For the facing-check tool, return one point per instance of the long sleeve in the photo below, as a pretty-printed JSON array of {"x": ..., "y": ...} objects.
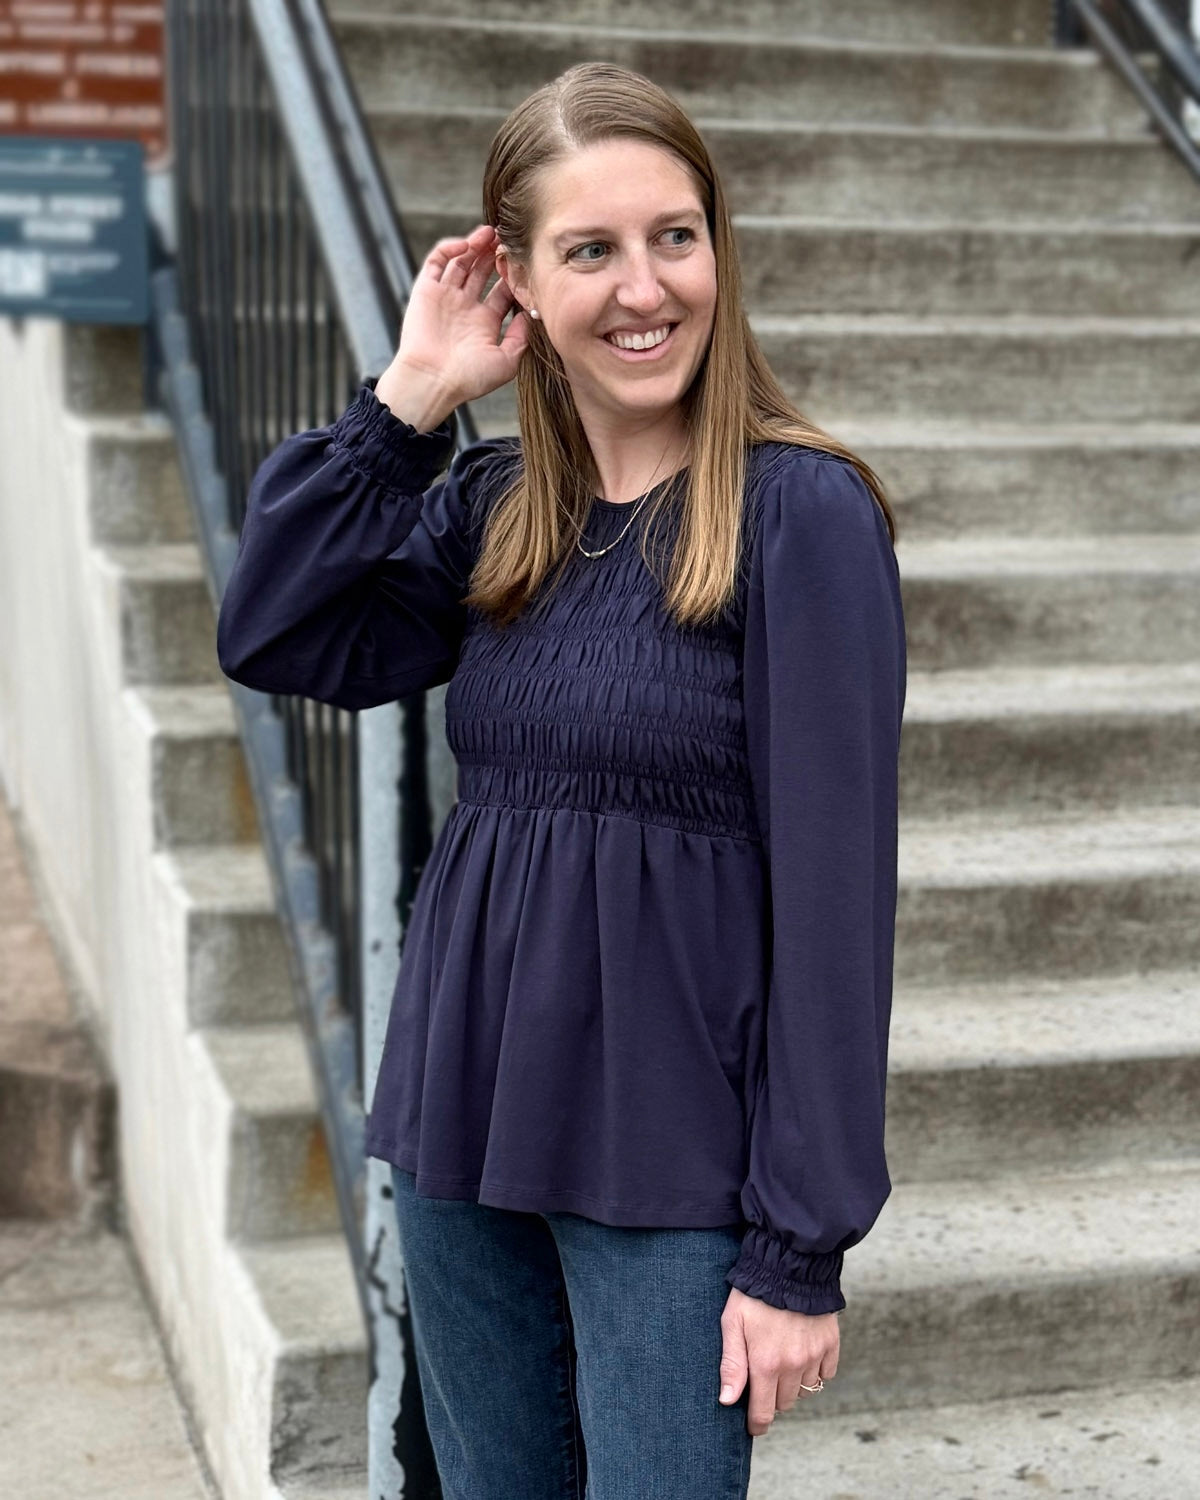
[
  {"x": 824, "y": 676},
  {"x": 350, "y": 572}
]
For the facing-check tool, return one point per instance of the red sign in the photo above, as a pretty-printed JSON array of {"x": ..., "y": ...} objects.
[{"x": 90, "y": 68}]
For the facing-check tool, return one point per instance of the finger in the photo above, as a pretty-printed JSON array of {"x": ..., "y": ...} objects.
[
  {"x": 829, "y": 1364},
  {"x": 501, "y": 297},
  {"x": 436, "y": 260},
  {"x": 485, "y": 264},
  {"x": 516, "y": 337},
  {"x": 764, "y": 1390},
  {"x": 808, "y": 1378},
  {"x": 458, "y": 269},
  {"x": 787, "y": 1394}
]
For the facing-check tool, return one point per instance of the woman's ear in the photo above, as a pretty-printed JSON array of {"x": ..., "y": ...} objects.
[{"x": 514, "y": 274}]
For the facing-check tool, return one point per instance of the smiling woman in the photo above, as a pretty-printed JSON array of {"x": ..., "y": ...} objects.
[
  {"x": 642, "y": 282},
  {"x": 633, "y": 1080}
]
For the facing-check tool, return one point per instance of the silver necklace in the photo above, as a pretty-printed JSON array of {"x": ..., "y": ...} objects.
[{"x": 601, "y": 551}]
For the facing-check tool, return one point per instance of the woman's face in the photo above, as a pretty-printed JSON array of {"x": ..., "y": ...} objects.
[{"x": 622, "y": 245}]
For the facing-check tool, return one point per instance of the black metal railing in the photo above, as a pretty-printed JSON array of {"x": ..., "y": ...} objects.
[
  {"x": 1126, "y": 31},
  {"x": 286, "y": 287}
]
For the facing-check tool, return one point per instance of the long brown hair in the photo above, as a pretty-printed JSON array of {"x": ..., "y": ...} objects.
[{"x": 733, "y": 402}]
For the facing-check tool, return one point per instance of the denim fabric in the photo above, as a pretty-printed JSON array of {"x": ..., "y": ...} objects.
[{"x": 564, "y": 1359}]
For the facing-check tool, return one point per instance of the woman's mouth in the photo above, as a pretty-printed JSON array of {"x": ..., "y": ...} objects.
[{"x": 656, "y": 351}]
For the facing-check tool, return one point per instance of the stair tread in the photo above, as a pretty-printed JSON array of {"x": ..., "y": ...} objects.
[
  {"x": 1126, "y": 1438},
  {"x": 157, "y": 560},
  {"x": 975, "y": 555},
  {"x": 1044, "y": 1022},
  {"x": 264, "y": 1067},
  {"x": 931, "y": 226},
  {"x": 1007, "y": 134},
  {"x": 306, "y": 1288},
  {"x": 984, "y": 850},
  {"x": 937, "y": 325},
  {"x": 1011, "y": 1230},
  {"x": 748, "y": 37},
  {"x": 220, "y": 877},
  {"x": 188, "y": 711},
  {"x": 1053, "y": 692},
  {"x": 981, "y": 437}
]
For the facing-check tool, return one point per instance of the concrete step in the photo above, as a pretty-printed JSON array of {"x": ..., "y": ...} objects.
[
  {"x": 1017, "y": 369},
  {"x": 57, "y": 1099},
  {"x": 950, "y": 480},
  {"x": 1049, "y": 601},
  {"x": 279, "y": 1179},
  {"x": 428, "y": 62},
  {"x": 1136, "y": 1440},
  {"x": 236, "y": 963},
  {"x": 103, "y": 370},
  {"x": 1051, "y": 897},
  {"x": 1032, "y": 480},
  {"x": 1019, "y": 23},
  {"x": 135, "y": 489},
  {"x": 167, "y": 627},
  {"x": 1071, "y": 1075},
  {"x": 824, "y": 172},
  {"x": 310, "y": 1335},
  {"x": 1054, "y": 739},
  {"x": 1021, "y": 1284},
  {"x": 199, "y": 785},
  {"x": 795, "y": 264}
]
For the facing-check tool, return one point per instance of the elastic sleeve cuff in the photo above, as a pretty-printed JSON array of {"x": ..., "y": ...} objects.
[
  {"x": 388, "y": 449},
  {"x": 786, "y": 1278}
]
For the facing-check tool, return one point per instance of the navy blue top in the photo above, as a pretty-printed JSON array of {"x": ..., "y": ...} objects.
[{"x": 648, "y": 972}]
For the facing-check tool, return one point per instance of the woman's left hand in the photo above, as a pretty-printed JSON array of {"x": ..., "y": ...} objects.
[{"x": 778, "y": 1350}]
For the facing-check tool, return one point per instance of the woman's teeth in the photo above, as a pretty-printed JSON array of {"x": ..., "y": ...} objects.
[{"x": 638, "y": 340}]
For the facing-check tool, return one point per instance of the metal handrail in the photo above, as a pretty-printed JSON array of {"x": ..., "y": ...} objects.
[
  {"x": 287, "y": 286},
  {"x": 1165, "y": 36}
]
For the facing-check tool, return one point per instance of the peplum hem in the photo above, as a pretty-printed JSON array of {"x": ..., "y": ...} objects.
[{"x": 709, "y": 1213}]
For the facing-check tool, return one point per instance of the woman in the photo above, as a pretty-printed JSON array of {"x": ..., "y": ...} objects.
[{"x": 632, "y": 1089}]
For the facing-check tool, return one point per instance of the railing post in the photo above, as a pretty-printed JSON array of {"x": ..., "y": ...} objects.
[
  {"x": 379, "y": 844},
  {"x": 400, "y": 1462},
  {"x": 1191, "y": 109}
]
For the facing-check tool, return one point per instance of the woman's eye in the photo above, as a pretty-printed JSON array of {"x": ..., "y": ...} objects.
[{"x": 592, "y": 244}]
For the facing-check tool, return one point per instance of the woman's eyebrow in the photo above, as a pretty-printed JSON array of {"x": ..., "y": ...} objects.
[{"x": 676, "y": 213}]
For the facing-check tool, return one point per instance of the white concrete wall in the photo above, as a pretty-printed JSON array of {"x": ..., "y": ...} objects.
[
  {"x": 59, "y": 676},
  {"x": 75, "y": 758}
]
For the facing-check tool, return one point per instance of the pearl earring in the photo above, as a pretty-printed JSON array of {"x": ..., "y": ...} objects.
[{"x": 533, "y": 312}]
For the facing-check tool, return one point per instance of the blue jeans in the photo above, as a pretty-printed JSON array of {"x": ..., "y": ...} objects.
[{"x": 562, "y": 1359}]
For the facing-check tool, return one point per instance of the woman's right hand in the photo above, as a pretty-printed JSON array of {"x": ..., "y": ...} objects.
[{"x": 450, "y": 339}]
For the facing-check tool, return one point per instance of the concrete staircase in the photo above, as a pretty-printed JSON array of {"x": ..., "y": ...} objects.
[{"x": 968, "y": 256}]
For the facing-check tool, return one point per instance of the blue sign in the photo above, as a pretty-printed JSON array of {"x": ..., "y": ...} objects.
[{"x": 73, "y": 230}]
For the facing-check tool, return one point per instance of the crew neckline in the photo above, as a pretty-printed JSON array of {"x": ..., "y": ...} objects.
[{"x": 622, "y": 505}]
